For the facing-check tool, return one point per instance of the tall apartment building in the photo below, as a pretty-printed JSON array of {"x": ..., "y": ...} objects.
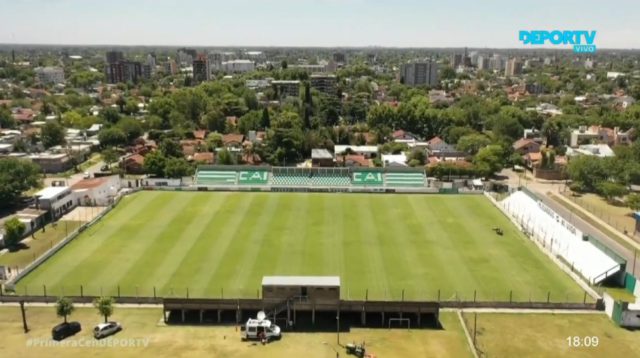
[
  {"x": 114, "y": 56},
  {"x": 238, "y": 66},
  {"x": 513, "y": 67},
  {"x": 201, "y": 70},
  {"x": 53, "y": 75},
  {"x": 483, "y": 62},
  {"x": 123, "y": 71},
  {"x": 496, "y": 63},
  {"x": 419, "y": 74},
  {"x": 286, "y": 88},
  {"x": 171, "y": 67},
  {"x": 340, "y": 58},
  {"x": 456, "y": 60},
  {"x": 324, "y": 83}
]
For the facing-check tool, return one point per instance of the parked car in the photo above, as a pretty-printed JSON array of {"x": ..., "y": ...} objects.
[
  {"x": 64, "y": 330},
  {"x": 106, "y": 329},
  {"x": 87, "y": 175}
]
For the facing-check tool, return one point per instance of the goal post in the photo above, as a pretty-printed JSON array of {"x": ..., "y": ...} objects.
[{"x": 401, "y": 322}]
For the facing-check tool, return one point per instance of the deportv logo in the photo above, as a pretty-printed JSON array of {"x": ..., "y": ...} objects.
[{"x": 582, "y": 41}]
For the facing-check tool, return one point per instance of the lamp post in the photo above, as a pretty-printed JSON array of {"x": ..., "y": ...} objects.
[{"x": 338, "y": 328}]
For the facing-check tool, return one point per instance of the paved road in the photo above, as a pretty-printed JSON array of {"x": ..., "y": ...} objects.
[
  {"x": 74, "y": 178},
  {"x": 542, "y": 188}
]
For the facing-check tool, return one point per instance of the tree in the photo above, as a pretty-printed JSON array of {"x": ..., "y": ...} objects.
[
  {"x": 16, "y": 177},
  {"x": 225, "y": 157},
  {"x": 131, "y": 128},
  {"x": 489, "y": 160},
  {"x": 6, "y": 119},
  {"x": 215, "y": 121},
  {"x": 110, "y": 115},
  {"x": 472, "y": 143},
  {"x": 214, "y": 141},
  {"x": 112, "y": 137},
  {"x": 109, "y": 156},
  {"x": 610, "y": 190},
  {"x": 265, "y": 121},
  {"x": 104, "y": 305},
  {"x": 588, "y": 171},
  {"x": 14, "y": 230},
  {"x": 52, "y": 134},
  {"x": 170, "y": 148},
  {"x": 249, "y": 122},
  {"x": 177, "y": 168},
  {"x": 64, "y": 308},
  {"x": 154, "y": 163},
  {"x": 633, "y": 201}
]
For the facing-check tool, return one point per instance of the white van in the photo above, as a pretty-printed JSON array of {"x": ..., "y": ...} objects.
[{"x": 260, "y": 328}]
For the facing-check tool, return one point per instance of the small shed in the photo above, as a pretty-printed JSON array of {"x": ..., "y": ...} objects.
[{"x": 312, "y": 288}]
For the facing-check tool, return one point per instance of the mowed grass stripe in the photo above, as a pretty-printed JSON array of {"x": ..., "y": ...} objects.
[
  {"x": 194, "y": 268},
  {"x": 155, "y": 267},
  {"x": 293, "y": 235},
  {"x": 132, "y": 245},
  {"x": 253, "y": 235},
  {"x": 370, "y": 230},
  {"x": 224, "y": 225}
]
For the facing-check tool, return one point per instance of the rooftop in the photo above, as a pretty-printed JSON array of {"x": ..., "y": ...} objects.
[
  {"x": 324, "y": 281},
  {"x": 90, "y": 183},
  {"x": 321, "y": 154},
  {"x": 51, "y": 192}
]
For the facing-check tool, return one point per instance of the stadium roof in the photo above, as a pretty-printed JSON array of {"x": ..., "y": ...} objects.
[{"x": 323, "y": 281}]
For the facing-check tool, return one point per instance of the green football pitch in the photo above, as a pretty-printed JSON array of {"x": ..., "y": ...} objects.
[{"x": 384, "y": 246}]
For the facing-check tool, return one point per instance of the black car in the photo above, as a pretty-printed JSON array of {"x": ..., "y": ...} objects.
[{"x": 64, "y": 330}]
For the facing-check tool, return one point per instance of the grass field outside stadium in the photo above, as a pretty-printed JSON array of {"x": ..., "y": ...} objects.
[{"x": 222, "y": 244}]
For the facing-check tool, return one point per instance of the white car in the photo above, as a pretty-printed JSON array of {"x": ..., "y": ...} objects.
[{"x": 106, "y": 329}]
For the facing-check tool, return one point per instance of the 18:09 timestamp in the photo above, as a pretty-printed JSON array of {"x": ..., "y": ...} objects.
[{"x": 583, "y": 342}]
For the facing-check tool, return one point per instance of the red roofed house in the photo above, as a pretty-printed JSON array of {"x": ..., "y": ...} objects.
[
  {"x": 24, "y": 115},
  {"x": 233, "y": 140},
  {"x": 204, "y": 157},
  {"x": 524, "y": 146},
  {"x": 133, "y": 164}
]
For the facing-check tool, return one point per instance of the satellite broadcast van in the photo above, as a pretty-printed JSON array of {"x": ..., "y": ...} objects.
[{"x": 261, "y": 328}]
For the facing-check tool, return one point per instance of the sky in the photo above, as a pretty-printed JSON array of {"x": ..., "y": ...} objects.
[{"x": 329, "y": 23}]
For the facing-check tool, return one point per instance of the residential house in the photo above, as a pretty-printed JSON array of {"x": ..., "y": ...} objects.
[
  {"x": 133, "y": 164},
  {"x": 525, "y": 146},
  {"x": 321, "y": 157}
]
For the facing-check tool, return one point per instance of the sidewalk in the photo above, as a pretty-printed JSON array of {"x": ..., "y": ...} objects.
[{"x": 597, "y": 220}]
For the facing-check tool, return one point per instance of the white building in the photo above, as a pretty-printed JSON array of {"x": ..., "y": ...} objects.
[
  {"x": 53, "y": 75},
  {"x": 56, "y": 199},
  {"x": 238, "y": 66},
  {"x": 394, "y": 160},
  {"x": 96, "y": 191}
]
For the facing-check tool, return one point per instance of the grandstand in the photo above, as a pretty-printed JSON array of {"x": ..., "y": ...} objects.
[
  {"x": 232, "y": 176},
  {"x": 561, "y": 238},
  {"x": 405, "y": 179},
  {"x": 216, "y": 177}
]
